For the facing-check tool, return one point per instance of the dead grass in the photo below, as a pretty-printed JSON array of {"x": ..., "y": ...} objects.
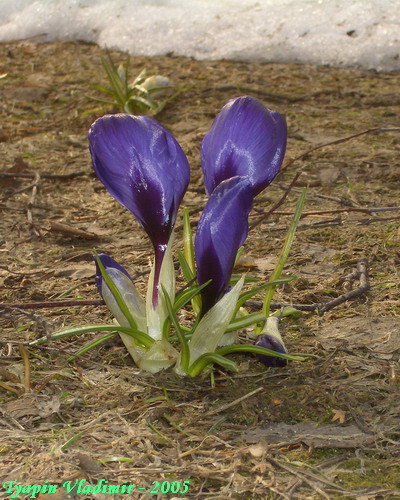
[{"x": 100, "y": 416}]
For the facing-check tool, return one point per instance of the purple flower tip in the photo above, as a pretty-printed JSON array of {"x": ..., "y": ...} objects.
[
  {"x": 245, "y": 139},
  {"x": 143, "y": 167},
  {"x": 109, "y": 263},
  {"x": 272, "y": 343}
]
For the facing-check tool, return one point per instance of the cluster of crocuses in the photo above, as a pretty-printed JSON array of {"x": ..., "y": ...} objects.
[{"x": 144, "y": 168}]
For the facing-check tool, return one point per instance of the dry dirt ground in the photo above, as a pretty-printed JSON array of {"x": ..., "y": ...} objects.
[{"x": 328, "y": 427}]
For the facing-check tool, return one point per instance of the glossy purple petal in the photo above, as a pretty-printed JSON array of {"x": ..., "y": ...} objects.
[
  {"x": 144, "y": 169},
  {"x": 272, "y": 343},
  {"x": 108, "y": 262},
  {"x": 245, "y": 139},
  {"x": 222, "y": 229}
]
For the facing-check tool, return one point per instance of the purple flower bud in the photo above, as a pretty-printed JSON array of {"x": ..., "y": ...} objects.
[
  {"x": 272, "y": 343},
  {"x": 245, "y": 139},
  {"x": 108, "y": 263},
  {"x": 144, "y": 168},
  {"x": 222, "y": 229}
]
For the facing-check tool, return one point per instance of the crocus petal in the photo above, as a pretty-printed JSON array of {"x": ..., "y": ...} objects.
[
  {"x": 245, "y": 139},
  {"x": 144, "y": 169},
  {"x": 272, "y": 343},
  {"x": 222, "y": 229},
  {"x": 124, "y": 283},
  {"x": 270, "y": 338},
  {"x": 108, "y": 263}
]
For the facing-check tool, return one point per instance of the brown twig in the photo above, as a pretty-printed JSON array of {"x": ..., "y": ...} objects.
[
  {"x": 323, "y": 307},
  {"x": 24, "y": 175},
  {"x": 27, "y": 367},
  {"x": 58, "y": 303},
  {"x": 35, "y": 185},
  {"x": 367, "y": 210},
  {"x": 278, "y": 204},
  {"x": 234, "y": 403},
  {"x": 375, "y": 130},
  {"x": 71, "y": 231}
]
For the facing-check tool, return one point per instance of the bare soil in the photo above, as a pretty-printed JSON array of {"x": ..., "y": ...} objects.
[{"x": 325, "y": 428}]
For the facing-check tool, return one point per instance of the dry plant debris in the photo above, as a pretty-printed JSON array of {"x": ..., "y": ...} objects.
[{"x": 327, "y": 428}]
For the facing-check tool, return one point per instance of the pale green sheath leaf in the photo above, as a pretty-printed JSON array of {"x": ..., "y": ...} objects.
[
  {"x": 160, "y": 356},
  {"x": 212, "y": 326},
  {"x": 271, "y": 328},
  {"x": 135, "y": 303}
]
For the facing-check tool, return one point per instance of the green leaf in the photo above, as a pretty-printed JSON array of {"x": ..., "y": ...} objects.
[
  {"x": 186, "y": 295},
  {"x": 117, "y": 84},
  {"x": 189, "y": 257},
  {"x": 105, "y": 90},
  {"x": 238, "y": 255},
  {"x": 92, "y": 345},
  {"x": 213, "y": 324},
  {"x": 284, "y": 252},
  {"x": 247, "y": 279},
  {"x": 250, "y": 319},
  {"x": 185, "y": 355},
  {"x": 116, "y": 293},
  {"x": 186, "y": 270},
  {"x": 141, "y": 337},
  {"x": 211, "y": 358},
  {"x": 256, "y": 350},
  {"x": 250, "y": 293}
]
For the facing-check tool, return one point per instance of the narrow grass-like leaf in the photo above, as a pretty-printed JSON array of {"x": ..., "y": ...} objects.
[
  {"x": 238, "y": 255},
  {"x": 105, "y": 90},
  {"x": 92, "y": 345},
  {"x": 187, "y": 295},
  {"x": 140, "y": 337},
  {"x": 188, "y": 247},
  {"x": 284, "y": 253},
  {"x": 250, "y": 293},
  {"x": 188, "y": 259},
  {"x": 186, "y": 270},
  {"x": 103, "y": 101},
  {"x": 209, "y": 358},
  {"x": 141, "y": 100},
  {"x": 70, "y": 441},
  {"x": 257, "y": 350},
  {"x": 239, "y": 323},
  {"x": 185, "y": 355},
  {"x": 116, "y": 293},
  {"x": 115, "y": 80},
  {"x": 247, "y": 279}
]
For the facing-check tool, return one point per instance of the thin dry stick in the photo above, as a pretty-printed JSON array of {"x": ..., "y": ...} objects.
[
  {"x": 35, "y": 185},
  {"x": 321, "y": 307},
  {"x": 233, "y": 403},
  {"x": 26, "y": 175},
  {"x": 362, "y": 268},
  {"x": 369, "y": 210},
  {"x": 58, "y": 303},
  {"x": 278, "y": 204},
  {"x": 307, "y": 476},
  {"x": 27, "y": 367},
  {"x": 376, "y": 130}
]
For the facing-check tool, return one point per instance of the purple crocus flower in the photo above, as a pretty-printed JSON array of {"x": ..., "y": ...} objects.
[
  {"x": 222, "y": 229},
  {"x": 245, "y": 139},
  {"x": 272, "y": 343},
  {"x": 144, "y": 168}
]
